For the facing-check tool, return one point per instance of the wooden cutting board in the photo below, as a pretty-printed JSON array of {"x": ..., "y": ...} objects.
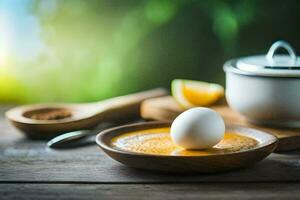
[{"x": 166, "y": 109}]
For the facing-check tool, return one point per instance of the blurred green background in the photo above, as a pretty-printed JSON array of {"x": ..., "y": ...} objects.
[{"x": 88, "y": 50}]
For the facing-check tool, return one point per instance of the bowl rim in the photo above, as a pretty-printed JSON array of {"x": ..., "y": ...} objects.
[{"x": 100, "y": 140}]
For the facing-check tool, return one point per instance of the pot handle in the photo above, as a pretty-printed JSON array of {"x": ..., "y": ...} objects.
[{"x": 281, "y": 44}]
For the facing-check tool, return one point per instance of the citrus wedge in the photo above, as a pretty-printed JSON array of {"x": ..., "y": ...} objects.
[{"x": 190, "y": 93}]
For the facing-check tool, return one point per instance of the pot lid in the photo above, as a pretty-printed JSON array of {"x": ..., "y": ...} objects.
[{"x": 272, "y": 64}]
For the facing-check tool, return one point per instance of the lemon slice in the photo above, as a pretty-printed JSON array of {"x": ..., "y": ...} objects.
[{"x": 190, "y": 94}]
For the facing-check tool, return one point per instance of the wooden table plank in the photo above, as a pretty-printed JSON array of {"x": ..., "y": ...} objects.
[
  {"x": 93, "y": 166},
  {"x": 146, "y": 191},
  {"x": 23, "y": 160}
]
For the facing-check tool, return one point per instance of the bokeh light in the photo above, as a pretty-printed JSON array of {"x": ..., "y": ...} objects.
[{"x": 78, "y": 51}]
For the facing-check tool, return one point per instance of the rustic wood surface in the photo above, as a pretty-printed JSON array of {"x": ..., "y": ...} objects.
[
  {"x": 210, "y": 191},
  {"x": 166, "y": 108},
  {"x": 30, "y": 170}
]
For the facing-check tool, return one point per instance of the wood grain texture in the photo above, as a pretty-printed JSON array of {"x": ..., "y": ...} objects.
[
  {"x": 155, "y": 192},
  {"x": 165, "y": 108},
  {"x": 25, "y": 160},
  {"x": 29, "y": 161},
  {"x": 29, "y": 170}
]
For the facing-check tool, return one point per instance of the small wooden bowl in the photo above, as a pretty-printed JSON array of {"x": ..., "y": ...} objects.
[{"x": 187, "y": 164}]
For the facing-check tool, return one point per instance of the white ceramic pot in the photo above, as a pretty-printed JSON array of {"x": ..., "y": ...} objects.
[{"x": 266, "y": 88}]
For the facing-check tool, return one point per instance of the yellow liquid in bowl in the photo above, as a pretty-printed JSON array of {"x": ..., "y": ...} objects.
[{"x": 158, "y": 142}]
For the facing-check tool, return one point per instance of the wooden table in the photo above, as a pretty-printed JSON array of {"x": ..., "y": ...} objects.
[{"x": 30, "y": 170}]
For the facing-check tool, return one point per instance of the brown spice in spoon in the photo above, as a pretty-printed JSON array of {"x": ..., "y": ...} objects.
[{"x": 49, "y": 114}]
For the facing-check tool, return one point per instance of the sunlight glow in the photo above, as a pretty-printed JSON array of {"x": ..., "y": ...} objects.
[{"x": 5, "y": 39}]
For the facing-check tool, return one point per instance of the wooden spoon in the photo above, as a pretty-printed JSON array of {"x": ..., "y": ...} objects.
[{"x": 43, "y": 121}]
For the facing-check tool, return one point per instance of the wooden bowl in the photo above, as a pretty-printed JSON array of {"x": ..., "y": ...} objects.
[{"x": 187, "y": 164}]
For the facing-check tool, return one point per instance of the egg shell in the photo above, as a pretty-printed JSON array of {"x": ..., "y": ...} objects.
[{"x": 198, "y": 128}]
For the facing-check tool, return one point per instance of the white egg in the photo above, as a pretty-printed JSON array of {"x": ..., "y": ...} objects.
[{"x": 198, "y": 128}]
